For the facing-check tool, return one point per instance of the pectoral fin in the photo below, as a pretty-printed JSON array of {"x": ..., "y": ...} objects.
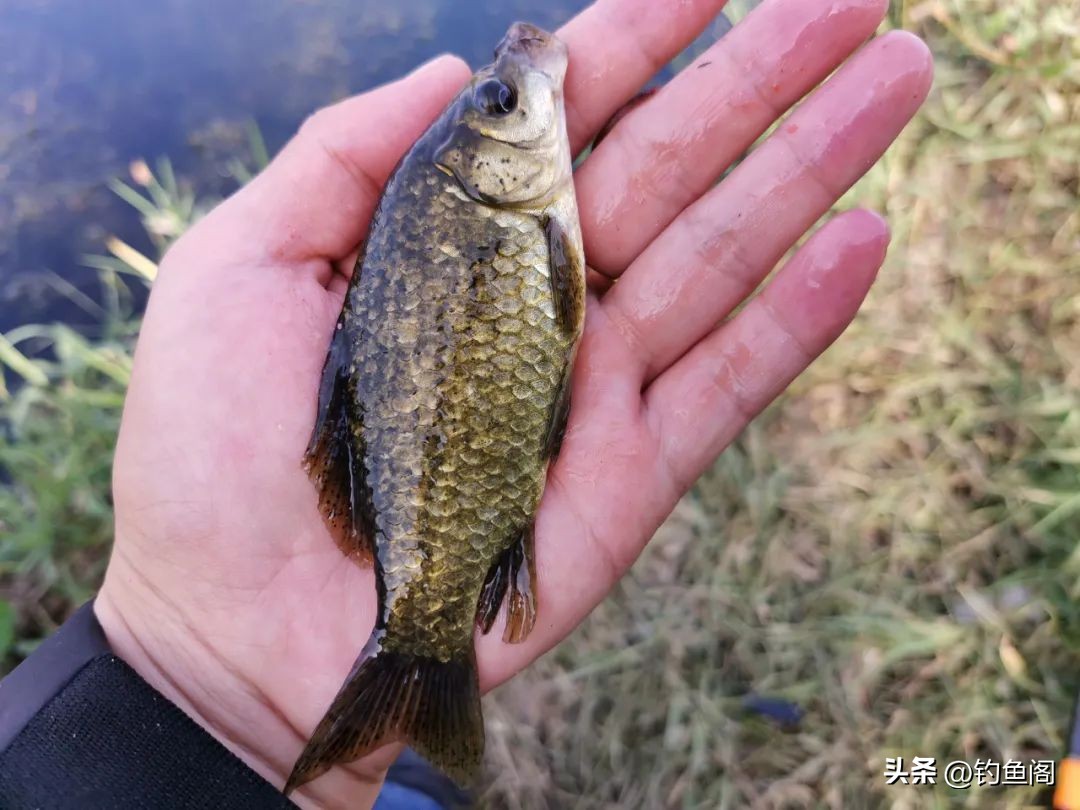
[
  {"x": 560, "y": 415},
  {"x": 334, "y": 457},
  {"x": 567, "y": 275}
]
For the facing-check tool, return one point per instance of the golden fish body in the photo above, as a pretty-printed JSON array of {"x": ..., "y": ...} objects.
[{"x": 443, "y": 400}]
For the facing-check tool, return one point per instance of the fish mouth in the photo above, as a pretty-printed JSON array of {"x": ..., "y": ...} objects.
[{"x": 533, "y": 47}]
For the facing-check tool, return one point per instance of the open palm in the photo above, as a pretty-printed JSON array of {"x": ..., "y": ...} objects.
[{"x": 225, "y": 590}]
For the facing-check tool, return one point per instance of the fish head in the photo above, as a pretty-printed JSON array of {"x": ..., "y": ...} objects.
[
  {"x": 527, "y": 49},
  {"x": 506, "y": 144}
]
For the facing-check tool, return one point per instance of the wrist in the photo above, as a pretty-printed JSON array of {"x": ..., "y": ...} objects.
[
  {"x": 161, "y": 642},
  {"x": 154, "y": 639}
]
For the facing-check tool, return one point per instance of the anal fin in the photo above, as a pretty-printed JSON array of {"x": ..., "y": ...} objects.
[
  {"x": 334, "y": 457},
  {"x": 513, "y": 577}
]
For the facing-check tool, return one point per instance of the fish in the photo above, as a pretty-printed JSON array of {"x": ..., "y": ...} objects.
[{"x": 443, "y": 400}]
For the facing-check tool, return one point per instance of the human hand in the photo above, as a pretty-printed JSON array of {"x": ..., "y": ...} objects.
[{"x": 225, "y": 590}]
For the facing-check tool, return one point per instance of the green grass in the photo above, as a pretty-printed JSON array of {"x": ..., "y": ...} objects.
[
  {"x": 893, "y": 545},
  {"x": 58, "y": 423}
]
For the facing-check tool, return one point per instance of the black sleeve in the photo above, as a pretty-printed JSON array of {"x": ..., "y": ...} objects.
[{"x": 80, "y": 729}]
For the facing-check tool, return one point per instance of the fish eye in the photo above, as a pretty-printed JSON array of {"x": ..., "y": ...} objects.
[{"x": 496, "y": 98}]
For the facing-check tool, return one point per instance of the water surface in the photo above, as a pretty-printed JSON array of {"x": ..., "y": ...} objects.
[{"x": 87, "y": 87}]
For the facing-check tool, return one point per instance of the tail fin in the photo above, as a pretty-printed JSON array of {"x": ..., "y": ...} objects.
[{"x": 431, "y": 705}]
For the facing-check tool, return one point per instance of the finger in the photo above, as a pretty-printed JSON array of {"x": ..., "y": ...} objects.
[
  {"x": 718, "y": 250},
  {"x": 699, "y": 405},
  {"x": 343, "y": 269},
  {"x": 591, "y": 495},
  {"x": 666, "y": 153},
  {"x": 690, "y": 414},
  {"x": 314, "y": 201},
  {"x": 317, "y": 197},
  {"x": 615, "y": 47}
]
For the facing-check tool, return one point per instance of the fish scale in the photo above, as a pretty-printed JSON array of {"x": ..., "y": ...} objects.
[
  {"x": 443, "y": 400},
  {"x": 485, "y": 403}
]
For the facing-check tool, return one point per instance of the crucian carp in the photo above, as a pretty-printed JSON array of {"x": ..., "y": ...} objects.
[{"x": 443, "y": 400}]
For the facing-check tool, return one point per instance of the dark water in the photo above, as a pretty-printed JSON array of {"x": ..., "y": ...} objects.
[{"x": 87, "y": 86}]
